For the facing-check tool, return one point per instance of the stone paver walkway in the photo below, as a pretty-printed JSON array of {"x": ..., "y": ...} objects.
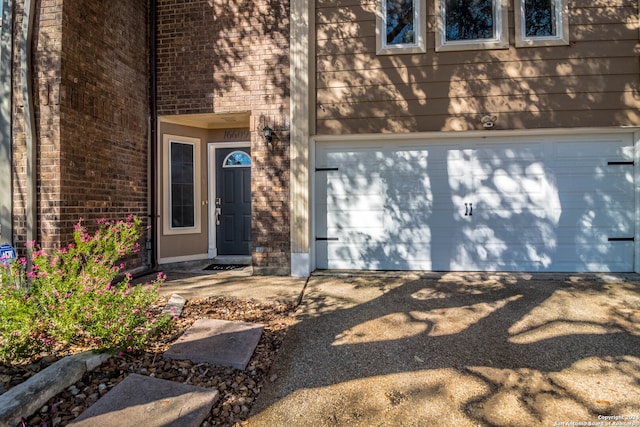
[{"x": 140, "y": 400}]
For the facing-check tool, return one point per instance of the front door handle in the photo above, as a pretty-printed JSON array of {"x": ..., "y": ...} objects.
[{"x": 218, "y": 212}]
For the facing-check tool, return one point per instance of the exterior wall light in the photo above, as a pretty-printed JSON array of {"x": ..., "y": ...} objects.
[
  {"x": 488, "y": 121},
  {"x": 268, "y": 134}
]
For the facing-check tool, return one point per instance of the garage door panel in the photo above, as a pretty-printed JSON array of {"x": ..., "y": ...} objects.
[
  {"x": 356, "y": 220},
  {"x": 619, "y": 220},
  {"x": 604, "y": 256},
  {"x": 355, "y": 202},
  {"x": 594, "y": 236},
  {"x": 512, "y": 186},
  {"x": 513, "y": 233},
  {"x": 596, "y": 150},
  {"x": 601, "y": 220},
  {"x": 420, "y": 205},
  {"x": 343, "y": 185},
  {"x": 613, "y": 180},
  {"x": 381, "y": 256},
  {"x": 380, "y": 236},
  {"x": 497, "y": 256}
]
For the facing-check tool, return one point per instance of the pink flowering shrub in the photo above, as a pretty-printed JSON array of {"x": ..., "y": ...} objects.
[{"x": 68, "y": 296}]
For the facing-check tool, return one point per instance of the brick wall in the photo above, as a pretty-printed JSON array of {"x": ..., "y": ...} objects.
[
  {"x": 233, "y": 56},
  {"x": 47, "y": 67},
  {"x": 91, "y": 96},
  {"x": 104, "y": 110}
]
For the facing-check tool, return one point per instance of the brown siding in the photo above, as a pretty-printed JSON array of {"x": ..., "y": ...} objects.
[
  {"x": 91, "y": 97},
  {"x": 592, "y": 82},
  {"x": 222, "y": 57}
]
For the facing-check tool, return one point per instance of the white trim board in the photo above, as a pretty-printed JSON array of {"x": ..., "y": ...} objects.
[
  {"x": 636, "y": 170},
  {"x": 484, "y": 134}
]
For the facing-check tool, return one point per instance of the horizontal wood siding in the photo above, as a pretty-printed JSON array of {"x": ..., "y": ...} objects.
[{"x": 595, "y": 81}]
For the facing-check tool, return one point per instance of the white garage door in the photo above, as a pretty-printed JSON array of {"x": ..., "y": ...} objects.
[{"x": 517, "y": 204}]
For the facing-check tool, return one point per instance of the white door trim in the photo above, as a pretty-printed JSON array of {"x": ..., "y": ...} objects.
[
  {"x": 636, "y": 169},
  {"x": 474, "y": 134},
  {"x": 211, "y": 184}
]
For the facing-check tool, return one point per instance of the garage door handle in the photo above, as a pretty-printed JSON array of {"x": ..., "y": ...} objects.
[{"x": 468, "y": 209}]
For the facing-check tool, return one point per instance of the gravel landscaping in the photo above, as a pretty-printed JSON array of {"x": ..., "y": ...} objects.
[{"x": 238, "y": 389}]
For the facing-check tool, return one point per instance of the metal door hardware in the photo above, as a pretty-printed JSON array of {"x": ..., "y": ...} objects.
[
  {"x": 468, "y": 209},
  {"x": 218, "y": 201},
  {"x": 620, "y": 163},
  {"x": 218, "y": 212}
]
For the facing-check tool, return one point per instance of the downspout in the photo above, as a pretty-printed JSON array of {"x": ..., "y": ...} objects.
[
  {"x": 153, "y": 136},
  {"x": 26, "y": 76},
  {"x": 6, "y": 123}
]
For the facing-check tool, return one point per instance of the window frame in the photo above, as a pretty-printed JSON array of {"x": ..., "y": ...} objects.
[
  {"x": 562, "y": 26},
  {"x": 501, "y": 30},
  {"x": 168, "y": 228},
  {"x": 420, "y": 30}
]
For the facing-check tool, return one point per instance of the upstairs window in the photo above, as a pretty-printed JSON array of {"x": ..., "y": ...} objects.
[
  {"x": 471, "y": 24},
  {"x": 541, "y": 23},
  {"x": 400, "y": 27}
]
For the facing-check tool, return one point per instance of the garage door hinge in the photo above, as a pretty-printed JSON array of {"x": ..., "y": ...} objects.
[
  {"x": 326, "y": 169},
  {"x": 325, "y": 239},
  {"x": 621, "y": 239},
  {"x": 620, "y": 163}
]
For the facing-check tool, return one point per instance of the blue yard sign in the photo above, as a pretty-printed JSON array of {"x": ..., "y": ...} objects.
[{"x": 7, "y": 254}]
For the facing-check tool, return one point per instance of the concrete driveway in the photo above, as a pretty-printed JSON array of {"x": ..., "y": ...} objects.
[{"x": 459, "y": 350}]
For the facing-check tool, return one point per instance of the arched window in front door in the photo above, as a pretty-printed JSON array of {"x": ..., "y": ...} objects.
[{"x": 237, "y": 159}]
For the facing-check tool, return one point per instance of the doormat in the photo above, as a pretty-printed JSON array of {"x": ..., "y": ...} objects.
[{"x": 225, "y": 266}]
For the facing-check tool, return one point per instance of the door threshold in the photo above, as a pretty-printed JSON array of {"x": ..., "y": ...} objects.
[{"x": 231, "y": 259}]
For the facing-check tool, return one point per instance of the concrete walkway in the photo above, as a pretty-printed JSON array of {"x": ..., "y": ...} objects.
[
  {"x": 459, "y": 349},
  {"x": 194, "y": 282}
]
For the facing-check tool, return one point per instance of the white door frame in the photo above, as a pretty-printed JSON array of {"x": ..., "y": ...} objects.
[{"x": 211, "y": 183}]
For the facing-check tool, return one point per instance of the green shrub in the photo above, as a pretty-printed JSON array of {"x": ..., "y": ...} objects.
[{"x": 68, "y": 296}]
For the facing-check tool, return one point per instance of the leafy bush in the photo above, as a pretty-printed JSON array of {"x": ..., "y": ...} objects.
[{"x": 68, "y": 296}]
